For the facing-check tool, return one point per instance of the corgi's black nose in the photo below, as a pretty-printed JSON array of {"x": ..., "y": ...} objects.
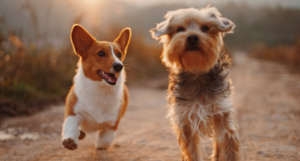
[
  {"x": 192, "y": 39},
  {"x": 117, "y": 67}
]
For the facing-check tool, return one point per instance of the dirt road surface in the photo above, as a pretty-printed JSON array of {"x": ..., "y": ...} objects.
[{"x": 267, "y": 99}]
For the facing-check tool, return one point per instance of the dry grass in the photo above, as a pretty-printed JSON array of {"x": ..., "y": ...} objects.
[
  {"x": 143, "y": 60},
  {"x": 32, "y": 77},
  {"x": 288, "y": 55}
]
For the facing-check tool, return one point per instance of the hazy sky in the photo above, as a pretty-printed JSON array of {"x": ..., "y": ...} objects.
[
  {"x": 284, "y": 3},
  {"x": 55, "y": 17}
]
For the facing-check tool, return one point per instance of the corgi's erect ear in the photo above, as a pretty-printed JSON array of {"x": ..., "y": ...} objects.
[
  {"x": 123, "y": 39},
  {"x": 81, "y": 39}
]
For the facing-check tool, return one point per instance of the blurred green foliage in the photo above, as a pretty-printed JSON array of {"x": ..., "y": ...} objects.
[{"x": 34, "y": 75}]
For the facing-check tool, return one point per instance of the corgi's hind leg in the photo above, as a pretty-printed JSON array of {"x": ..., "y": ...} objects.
[
  {"x": 81, "y": 135},
  {"x": 105, "y": 138}
]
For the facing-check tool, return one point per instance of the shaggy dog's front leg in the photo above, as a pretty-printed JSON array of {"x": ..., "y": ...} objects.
[
  {"x": 189, "y": 141},
  {"x": 226, "y": 138}
]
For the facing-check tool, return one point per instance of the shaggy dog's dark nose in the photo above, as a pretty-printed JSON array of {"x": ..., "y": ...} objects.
[
  {"x": 117, "y": 67},
  {"x": 192, "y": 39}
]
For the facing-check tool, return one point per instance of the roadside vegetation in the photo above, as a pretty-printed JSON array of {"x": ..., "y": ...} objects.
[{"x": 33, "y": 75}]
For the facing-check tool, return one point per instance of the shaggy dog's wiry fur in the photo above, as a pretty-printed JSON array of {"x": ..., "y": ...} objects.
[{"x": 199, "y": 87}]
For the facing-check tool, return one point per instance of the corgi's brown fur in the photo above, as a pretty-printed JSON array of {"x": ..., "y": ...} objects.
[{"x": 99, "y": 98}]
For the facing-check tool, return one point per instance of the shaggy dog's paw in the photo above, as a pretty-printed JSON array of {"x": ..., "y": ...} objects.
[
  {"x": 69, "y": 143},
  {"x": 101, "y": 148}
]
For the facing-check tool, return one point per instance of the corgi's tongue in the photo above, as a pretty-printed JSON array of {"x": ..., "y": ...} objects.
[
  {"x": 108, "y": 77},
  {"x": 112, "y": 77}
]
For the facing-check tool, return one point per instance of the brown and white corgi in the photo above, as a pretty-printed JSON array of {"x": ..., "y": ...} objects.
[{"x": 98, "y": 98}]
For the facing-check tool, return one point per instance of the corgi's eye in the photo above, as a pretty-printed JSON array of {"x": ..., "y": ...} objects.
[
  {"x": 101, "y": 54},
  {"x": 119, "y": 55},
  {"x": 205, "y": 28},
  {"x": 180, "y": 29}
]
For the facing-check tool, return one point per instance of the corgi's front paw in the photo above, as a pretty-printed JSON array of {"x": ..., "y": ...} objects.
[{"x": 69, "y": 143}]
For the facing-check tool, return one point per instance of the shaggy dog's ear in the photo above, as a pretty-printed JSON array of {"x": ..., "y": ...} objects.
[
  {"x": 220, "y": 23},
  {"x": 225, "y": 25},
  {"x": 162, "y": 28}
]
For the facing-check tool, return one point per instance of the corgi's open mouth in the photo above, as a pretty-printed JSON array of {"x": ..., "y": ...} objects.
[{"x": 110, "y": 78}]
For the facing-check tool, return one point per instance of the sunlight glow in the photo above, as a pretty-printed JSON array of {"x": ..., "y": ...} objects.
[{"x": 91, "y": 1}]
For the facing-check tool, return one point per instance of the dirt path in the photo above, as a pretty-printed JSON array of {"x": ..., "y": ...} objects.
[{"x": 266, "y": 99}]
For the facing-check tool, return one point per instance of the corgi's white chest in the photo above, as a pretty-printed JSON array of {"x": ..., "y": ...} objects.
[{"x": 97, "y": 101}]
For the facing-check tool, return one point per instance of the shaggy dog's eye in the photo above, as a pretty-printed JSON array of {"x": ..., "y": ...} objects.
[
  {"x": 119, "y": 55},
  {"x": 101, "y": 54},
  {"x": 205, "y": 28},
  {"x": 180, "y": 29}
]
